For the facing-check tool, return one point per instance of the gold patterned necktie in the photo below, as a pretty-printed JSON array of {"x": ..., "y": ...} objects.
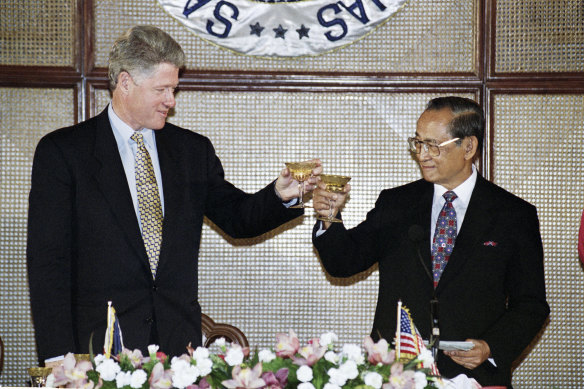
[{"x": 148, "y": 203}]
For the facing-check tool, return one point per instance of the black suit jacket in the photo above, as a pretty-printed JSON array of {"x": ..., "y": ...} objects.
[
  {"x": 492, "y": 288},
  {"x": 85, "y": 247}
]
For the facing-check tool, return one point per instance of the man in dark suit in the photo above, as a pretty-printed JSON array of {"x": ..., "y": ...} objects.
[
  {"x": 116, "y": 210},
  {"x": 480, "y": 255}
]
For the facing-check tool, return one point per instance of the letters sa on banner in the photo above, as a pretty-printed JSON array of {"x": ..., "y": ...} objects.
[{"x": 281, "y": 28}]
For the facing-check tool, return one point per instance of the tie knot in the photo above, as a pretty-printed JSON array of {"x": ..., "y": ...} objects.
[
  {"x": 138, "y": 138},
  {"x": 449, "y": 196}
]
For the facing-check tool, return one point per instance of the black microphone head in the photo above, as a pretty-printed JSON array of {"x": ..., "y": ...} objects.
[{"x": 416, "y": 233}]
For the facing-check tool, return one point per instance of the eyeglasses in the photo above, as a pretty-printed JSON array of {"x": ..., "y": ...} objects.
[{"x": 430, "y": 147}]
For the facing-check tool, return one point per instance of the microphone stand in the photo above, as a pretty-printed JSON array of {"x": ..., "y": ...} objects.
[
  {"x": 435, "y": 334},
  {"x": 416, "y": 235}
]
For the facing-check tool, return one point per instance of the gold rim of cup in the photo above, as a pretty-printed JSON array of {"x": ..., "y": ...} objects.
[
  {"x": 39, "y": 371},
  {"x": 335, "y": 179}
]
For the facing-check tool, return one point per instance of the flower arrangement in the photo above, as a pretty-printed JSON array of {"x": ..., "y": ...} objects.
[{"x": 315, "y": 365}]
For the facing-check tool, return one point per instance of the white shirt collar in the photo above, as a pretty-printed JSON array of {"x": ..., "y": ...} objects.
[
  {"x": 463, "y": 191},
  {"x": 123, "y": 132}
]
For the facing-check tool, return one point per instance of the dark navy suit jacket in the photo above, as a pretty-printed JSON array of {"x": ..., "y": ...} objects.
[
  {"x": 492, "y": 288},
  {"x": 85, "y": 247}
]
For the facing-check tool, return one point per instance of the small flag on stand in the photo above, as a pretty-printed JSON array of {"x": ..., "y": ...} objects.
[
  {"x": 409, "y": 342},
  {"x": 114, "y": 342}
]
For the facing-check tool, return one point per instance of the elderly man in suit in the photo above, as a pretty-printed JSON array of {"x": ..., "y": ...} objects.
[
  {"x": 452, "y": 237},
  {"x": 116, "y": 210}
]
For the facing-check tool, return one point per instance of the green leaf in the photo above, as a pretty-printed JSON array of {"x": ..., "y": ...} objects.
[
  {"x": 93, "y": 376},
  {"x": 91, "y": 358},
  {"x": 148, "y": 366},
  {"x": 126, "y": 363},
  {"x": 109, "y": 384},
  {"x": 255, "y": 359},
  {"x": 215, "y": 379},
  {"x": 277, "y": 364}
]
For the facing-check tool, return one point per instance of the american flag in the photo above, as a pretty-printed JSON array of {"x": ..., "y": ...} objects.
[
  {"x": 114, "y": 342},
  {"x": 410, "y": 343}
]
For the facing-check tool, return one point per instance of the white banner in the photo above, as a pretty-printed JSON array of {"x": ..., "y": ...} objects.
[{"x": 281, "y": 29}]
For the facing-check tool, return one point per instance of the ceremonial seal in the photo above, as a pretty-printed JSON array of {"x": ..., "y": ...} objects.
[{"x": 281, "y": 28}]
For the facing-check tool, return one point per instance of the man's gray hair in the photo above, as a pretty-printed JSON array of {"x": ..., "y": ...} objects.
[
  {"x": 469, "y": 119},
  {"x": 139, "y": 50}
]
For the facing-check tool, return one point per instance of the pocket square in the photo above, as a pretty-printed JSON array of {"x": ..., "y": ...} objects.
[{"x": 490, "y": 243}]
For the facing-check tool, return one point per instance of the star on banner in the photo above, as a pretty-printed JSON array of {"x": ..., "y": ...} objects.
[
  {"x": 303, "y": 32},
  {"x": 280, "y": 32},
  {"x": 306, "y": 28},
  {"x": 256, "y": 29}
]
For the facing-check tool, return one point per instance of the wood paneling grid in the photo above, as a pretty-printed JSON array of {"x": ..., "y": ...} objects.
[{"x": 354, "y": 108}]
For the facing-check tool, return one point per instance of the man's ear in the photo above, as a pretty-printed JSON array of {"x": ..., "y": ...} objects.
[
  {"x": 470, "y": 145},
  {"x": 124, "y": 80}
]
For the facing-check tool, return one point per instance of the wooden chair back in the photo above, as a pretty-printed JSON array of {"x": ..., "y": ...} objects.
[{"x": 213, "y": 331}]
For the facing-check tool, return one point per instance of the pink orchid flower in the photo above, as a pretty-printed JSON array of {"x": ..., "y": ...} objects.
[
  {"x": 287, "y": 345},
  {"x": 135, "y": 357},
  {"x": 245, "y": 378},
  {"x": 73, "y": 374},
  {"x": 203, "y": 384},
  {"x": 400, "y": 378},
  {"x": 311, "y": 353},
  {"x": 160, "y": 378},
  {"x": 276, "y": 381},
  {"x": 378, "y": 352}
]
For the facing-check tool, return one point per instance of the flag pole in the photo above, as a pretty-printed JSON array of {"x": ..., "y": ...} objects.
[
  {"x": 398, "y": 331},
  {"x": 108, "y": 332}
]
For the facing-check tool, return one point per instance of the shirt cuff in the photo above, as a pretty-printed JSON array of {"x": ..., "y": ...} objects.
[
  {"x": 290, "y": 203},
  {"x": 320, "y": 230},
  {"x": 286, "y": 204}
]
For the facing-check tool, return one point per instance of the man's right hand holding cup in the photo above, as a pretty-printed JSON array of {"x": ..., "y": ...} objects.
[{"x": 327, "y": 203}]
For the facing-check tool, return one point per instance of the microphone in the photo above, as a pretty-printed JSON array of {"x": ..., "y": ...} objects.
[{"x": 416, "y": 235}]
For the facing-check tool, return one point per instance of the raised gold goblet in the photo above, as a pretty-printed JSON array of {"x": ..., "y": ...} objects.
[
  {"x": 300, "y": 171},
  {"x": 335, "y": 184},
  {"x": 38, "y": 376}
]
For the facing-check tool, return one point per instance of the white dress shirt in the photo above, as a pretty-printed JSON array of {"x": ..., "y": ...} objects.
[
  {"x": 127, "y": 149},
  {"x": 460, "y": 204}
]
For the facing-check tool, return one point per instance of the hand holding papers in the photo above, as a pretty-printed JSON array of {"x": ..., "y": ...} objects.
[
  {"x": 446, "y": 345},
  {"x": 472, "y": 357}
]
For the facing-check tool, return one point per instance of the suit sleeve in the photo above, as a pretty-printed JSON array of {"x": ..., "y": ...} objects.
[
  {"x": 527, "y": 308},
  {"x": 49, "y": 251},
  {"x": 239, "y": 214},
  {"x": 345, "y": 253}
]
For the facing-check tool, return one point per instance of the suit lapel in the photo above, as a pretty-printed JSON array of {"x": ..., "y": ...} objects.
[
  {"x": 476, "y": 220},
  {"x": 111, "y": 178},
  {"x": 423, "y": 219},
  {"x": 172, "y": 187}
]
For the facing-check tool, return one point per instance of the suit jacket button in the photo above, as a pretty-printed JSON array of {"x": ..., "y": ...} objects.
[
  {"x": 155, "y": 288},
  {"x": 149, "y": 320}
]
